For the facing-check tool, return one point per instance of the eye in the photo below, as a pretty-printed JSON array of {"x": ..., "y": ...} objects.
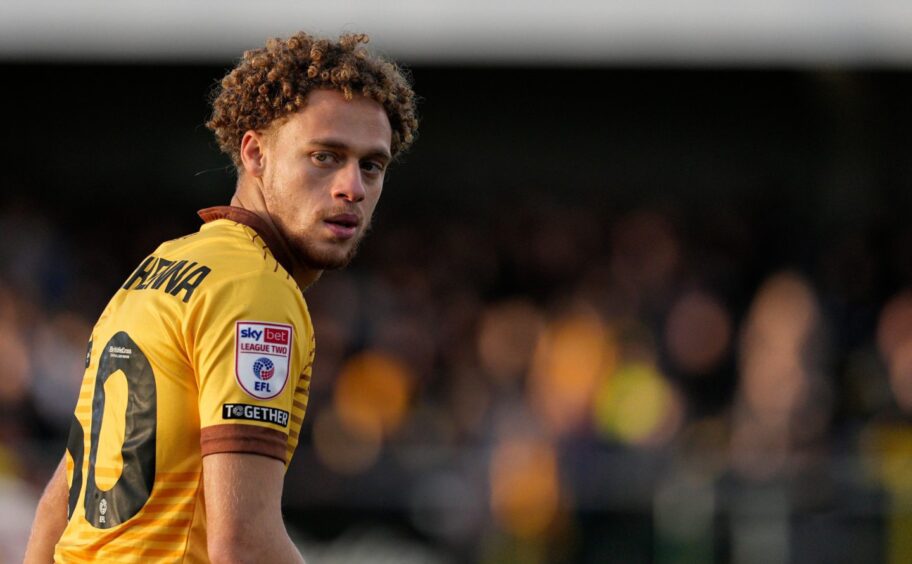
[
  {"x": 324, "y": 158},
  {"x": 372, "y": 167}
]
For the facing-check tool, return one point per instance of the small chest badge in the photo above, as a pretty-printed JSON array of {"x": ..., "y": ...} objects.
[{"x": 262, "y": 356}]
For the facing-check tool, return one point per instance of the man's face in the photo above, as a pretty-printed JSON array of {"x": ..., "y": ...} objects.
[{"x": 323, "y": 174}]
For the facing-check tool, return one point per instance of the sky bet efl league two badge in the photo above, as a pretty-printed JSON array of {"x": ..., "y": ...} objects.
[{"x": 262, "y": 356}]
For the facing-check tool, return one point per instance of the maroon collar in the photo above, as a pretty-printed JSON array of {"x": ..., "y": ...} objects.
[{"x": 253, "y": 221}]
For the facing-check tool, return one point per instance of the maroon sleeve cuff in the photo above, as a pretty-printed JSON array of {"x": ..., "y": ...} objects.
[{"x": 244, "y": 438}]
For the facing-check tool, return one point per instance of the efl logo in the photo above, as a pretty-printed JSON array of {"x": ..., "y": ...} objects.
[
  {"x": 277, "y": 336},
  {"x": 263, "y": 368},
  {"x": 263, "y": 357}
]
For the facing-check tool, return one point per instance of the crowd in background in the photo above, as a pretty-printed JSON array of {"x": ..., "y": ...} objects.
[{"x": 568, "y": 385}]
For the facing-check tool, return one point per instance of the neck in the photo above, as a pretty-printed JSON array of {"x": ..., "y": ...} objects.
[{"x": 249, "y": 195}]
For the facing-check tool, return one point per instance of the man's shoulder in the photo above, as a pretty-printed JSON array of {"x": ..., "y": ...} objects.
[
  {"x": 222, "y": 253},
  {"x": 233, "y": 248},
  {"x": 217, "y": 239}
]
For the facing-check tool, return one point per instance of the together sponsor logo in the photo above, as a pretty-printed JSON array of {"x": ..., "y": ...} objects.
[{"x": 250, "y": 412}]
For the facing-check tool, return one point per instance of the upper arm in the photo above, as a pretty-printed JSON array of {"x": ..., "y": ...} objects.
[
  {"x": 243, "y": 501},
  {"x": 249, "y": 346}
]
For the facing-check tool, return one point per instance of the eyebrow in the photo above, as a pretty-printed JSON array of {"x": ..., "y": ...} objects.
[{"x": 380, "y": 152}]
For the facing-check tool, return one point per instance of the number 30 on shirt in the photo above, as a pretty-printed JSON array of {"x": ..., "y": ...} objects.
[{"x": 108, "y": 508}]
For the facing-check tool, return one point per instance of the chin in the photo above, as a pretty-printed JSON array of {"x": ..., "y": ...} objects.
[{"x": 330, "y": 259}]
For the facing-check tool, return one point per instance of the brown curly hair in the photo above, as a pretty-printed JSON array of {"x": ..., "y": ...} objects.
[{"x": 272, "y": 82}]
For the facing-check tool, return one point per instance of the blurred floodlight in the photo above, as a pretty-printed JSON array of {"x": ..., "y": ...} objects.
[
  {"x": 527, "y": 31},
  {"x": 507, "y": 336},
  {"x": 698, "y": 332},
  {"x": 342, "y": 450},
  {"x": 569, "y": 359},
  {"x": 774, "y": 358},
  {"x": 636, "y": 405},
  {"x": 894, "y": 339},
  {"x": 372, "y": 393},
  {"x": 525, "y": 486}
]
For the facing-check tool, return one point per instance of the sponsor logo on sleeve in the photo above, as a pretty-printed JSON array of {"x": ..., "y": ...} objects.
[
  {"x": 262, "y": 357},
  {"x": 255, "y": 413}
]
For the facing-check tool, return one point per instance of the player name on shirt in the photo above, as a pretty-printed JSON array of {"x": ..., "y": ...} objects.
[{"x": 170, "y": 276}]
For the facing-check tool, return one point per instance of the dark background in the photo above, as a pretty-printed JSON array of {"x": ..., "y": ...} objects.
[{"x": 617, "y": 191}]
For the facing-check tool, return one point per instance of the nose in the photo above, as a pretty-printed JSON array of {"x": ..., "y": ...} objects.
[{"x": 349, "y": 185}]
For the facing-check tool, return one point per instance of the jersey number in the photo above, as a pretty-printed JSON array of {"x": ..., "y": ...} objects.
[{"x": 106, "y": 509}]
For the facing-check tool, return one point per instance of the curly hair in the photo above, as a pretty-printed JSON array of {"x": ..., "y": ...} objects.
[{"x": 272, "y": 82}]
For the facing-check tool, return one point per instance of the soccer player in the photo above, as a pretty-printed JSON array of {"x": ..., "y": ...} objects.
[{"x": 197, "y": 372}]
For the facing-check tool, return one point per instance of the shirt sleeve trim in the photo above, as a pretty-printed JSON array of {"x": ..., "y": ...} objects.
[{"x": 243, "y": 438}]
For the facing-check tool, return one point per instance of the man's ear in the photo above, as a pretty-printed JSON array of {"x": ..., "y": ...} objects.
[{"x": 253, "y": 156}]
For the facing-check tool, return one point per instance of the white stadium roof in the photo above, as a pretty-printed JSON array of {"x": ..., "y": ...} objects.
[{"x": 686, "y": 32}]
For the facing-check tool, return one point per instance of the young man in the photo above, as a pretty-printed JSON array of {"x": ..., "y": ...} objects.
[{"x": 198, "y": 370}]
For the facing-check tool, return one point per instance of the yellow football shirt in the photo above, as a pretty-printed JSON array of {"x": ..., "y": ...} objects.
[{"x": 206, "y": 348}]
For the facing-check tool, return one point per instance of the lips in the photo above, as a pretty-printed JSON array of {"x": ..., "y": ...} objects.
[{"x": 343, "y": 225}]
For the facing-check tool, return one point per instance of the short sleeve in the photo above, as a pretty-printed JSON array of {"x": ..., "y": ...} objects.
[{"x": 248, "y": 339}]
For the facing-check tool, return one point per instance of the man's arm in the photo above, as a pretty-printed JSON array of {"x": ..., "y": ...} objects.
[
  {"x": 244, "y": 509},
  {"x": 50, "y": 519}
]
